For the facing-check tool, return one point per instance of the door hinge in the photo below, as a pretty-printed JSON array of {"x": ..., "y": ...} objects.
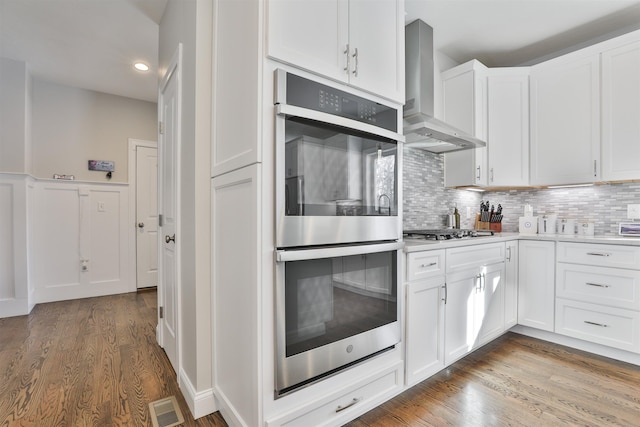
[
  {"x": 161, "y": 128},
  {"x": 161, "y": 312},
  {"x": 160, "y": 220}
]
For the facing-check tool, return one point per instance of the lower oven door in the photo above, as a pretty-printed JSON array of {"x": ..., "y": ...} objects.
[{"x": 334, "y": 306}]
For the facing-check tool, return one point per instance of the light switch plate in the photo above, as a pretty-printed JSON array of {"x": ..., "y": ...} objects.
[{"x": 633, "y": 211}]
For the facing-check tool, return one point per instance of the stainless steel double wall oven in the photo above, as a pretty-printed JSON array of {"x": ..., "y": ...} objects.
[{"x": 337, "y": 231}]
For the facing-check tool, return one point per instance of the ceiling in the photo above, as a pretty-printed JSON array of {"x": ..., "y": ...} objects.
[
  {"x": 520, "y": 32},
  {"x": 92, "y": 43}
]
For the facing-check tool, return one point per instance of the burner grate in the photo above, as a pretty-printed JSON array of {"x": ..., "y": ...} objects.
[{"x": 446, "y": 233}]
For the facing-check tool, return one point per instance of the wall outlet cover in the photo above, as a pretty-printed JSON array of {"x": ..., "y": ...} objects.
[{"x": 633, "y": 211}]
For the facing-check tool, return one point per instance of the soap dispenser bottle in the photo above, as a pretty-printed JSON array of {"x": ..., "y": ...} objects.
[{"x": 456, "y": 214}]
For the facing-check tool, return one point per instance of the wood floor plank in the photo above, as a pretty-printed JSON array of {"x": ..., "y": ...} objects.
[
  {"x": 87, "y": 362},
  {"x": 96, "y": 362},
  {"x": 520, "y": 381}
]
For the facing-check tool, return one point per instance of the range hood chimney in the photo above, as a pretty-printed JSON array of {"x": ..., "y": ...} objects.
[{"x": 421, "y": 129}]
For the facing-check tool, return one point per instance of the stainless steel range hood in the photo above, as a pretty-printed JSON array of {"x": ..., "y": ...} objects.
[{"x": 421, "y": 129}]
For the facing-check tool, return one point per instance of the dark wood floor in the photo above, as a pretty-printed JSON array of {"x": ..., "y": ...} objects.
[
  {"x": 88, "y": 362},
  {"x": 95, "y": 362}
]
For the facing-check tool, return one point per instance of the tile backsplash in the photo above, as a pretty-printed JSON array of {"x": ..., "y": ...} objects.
[{"x": 427, "y": 202}]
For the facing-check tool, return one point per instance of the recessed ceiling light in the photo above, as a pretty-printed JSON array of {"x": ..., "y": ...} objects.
[{"x": 141, "y": 66}]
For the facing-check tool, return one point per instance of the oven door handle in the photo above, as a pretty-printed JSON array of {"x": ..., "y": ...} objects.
[
  {"x": 319, "y": 116},
  {"x": 318, "y": 253}
]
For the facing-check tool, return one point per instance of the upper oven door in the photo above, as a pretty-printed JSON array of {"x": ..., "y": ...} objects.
[{"x": 336, "y": 177}]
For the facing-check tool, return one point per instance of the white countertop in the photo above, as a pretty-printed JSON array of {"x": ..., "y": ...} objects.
[{"x": 417, "y": 245}]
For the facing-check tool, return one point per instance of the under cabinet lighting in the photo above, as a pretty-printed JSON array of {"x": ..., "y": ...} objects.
[
  {"x": 476, "y": 189},
  {"x": 141, "y": 66},
  {"x": 570, "y": 186}
]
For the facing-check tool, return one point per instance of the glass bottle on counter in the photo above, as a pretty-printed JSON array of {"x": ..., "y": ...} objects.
[{"x": 456, "y": 214}]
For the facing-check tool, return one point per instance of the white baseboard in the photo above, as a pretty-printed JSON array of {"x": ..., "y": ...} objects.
[
  {"x": 77, "y": 290},
  {"x": 200, "y": 403},
  {"x": 14, "y": 307},
  {"x": 578, "y": 344},
  {"x": 228, "y": 411}
]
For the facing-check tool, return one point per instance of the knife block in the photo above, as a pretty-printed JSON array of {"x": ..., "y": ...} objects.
[{"x": 481, "y": 225}]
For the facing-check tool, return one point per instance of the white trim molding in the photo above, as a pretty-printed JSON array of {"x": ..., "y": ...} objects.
[{"x": 201, "y": 403}]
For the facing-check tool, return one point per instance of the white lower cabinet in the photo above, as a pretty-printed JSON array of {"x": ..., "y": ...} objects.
[
  {"x": 536, "y": 284},
  {"x": 614, "y": 327},
  {"x": 511, "y": 284},
  {"x": 598, "y": 294},
  {"x": 455, "y": 303},
  {"x": 346, "y": 404},
  {"x": 474, "y": 309},
  {"x": 424, "y": 329}
]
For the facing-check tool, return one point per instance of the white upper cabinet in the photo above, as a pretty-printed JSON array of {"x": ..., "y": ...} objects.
[
  {"x": 464, "y": 97},
  {"x": 565, "y": 120},
  {"x": 621, "y": 112},
  {"x": 493, "y": 105},
  {"x": 508, "y": 126},
  {"x": 357, "y": 42}
]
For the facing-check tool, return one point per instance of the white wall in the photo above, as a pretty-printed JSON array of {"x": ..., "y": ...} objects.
[
  {"x": 15, "y": 116},
  {"x": 190, "y": 23},
  {"x": 73, "y": 125}
]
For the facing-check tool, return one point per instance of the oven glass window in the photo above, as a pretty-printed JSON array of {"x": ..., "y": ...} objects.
[
  {"x": 330, "y": 299},
  {"x": 332, "y": 171}
]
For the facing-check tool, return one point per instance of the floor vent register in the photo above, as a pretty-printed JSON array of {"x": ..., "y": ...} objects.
[{"x": 166, "y": 412}]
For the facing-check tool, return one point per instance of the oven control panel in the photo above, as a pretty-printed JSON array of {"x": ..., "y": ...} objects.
[{"x": 306, "y": 93}]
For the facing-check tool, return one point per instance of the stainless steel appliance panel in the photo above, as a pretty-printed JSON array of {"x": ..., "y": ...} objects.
[
  {"x": 334, "y": 306},
  {"x": 336, "y": 160}
]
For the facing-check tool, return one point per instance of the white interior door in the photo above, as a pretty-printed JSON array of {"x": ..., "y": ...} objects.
[
  {"x": 146, "y": 217},
  {"x": 169, "y": 268}
]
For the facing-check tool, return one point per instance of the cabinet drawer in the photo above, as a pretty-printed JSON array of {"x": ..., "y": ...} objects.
[
  {"x": 614, "y": 287},
  {"x": 614, "y": 327},
  {"x": 604, "y": 255},
  {"x": 425, "y": 264},
  {"x": 474, "y": 256},
  {"x": 344, "y": 406}
]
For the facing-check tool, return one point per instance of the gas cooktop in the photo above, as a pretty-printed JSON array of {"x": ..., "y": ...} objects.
[{"x": 445, "y": 234}]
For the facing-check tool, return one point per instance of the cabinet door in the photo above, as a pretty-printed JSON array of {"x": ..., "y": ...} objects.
[
  {"x": 310, "y": 34},
  {"x": 489, "y": 316},
  {"x": 460, "y": 301},
  {"x": 376, "y": 31},
  {"x": 424, "y": 329},
  {"x": 621, "y": 112},
  {"x": 508, "y": 128},
  {"x": 565, "y": 120},
  {"x": 464, "y": 94},
  {"x": 511, "y": 285},
  {"x": 536, "y": 284}
]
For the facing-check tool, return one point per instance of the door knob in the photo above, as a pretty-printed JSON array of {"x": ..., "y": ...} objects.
[
  {"x": 168, "y": 238},
  {"x": 141, "y": 225}
]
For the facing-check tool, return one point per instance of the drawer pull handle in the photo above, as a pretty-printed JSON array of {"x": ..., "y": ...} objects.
[
  {"x": 431, "y": 264},
  {"x": 596, "y": 324},
  {"x": 598, "y": 253},
  {"x": 342, "y": 408},
  {"x": 598, "y": 285}
]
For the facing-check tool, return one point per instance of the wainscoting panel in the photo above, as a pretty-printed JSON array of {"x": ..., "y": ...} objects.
[
  {"x": 14, "y": 262},
  {"x": 80, "y": 240}
]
